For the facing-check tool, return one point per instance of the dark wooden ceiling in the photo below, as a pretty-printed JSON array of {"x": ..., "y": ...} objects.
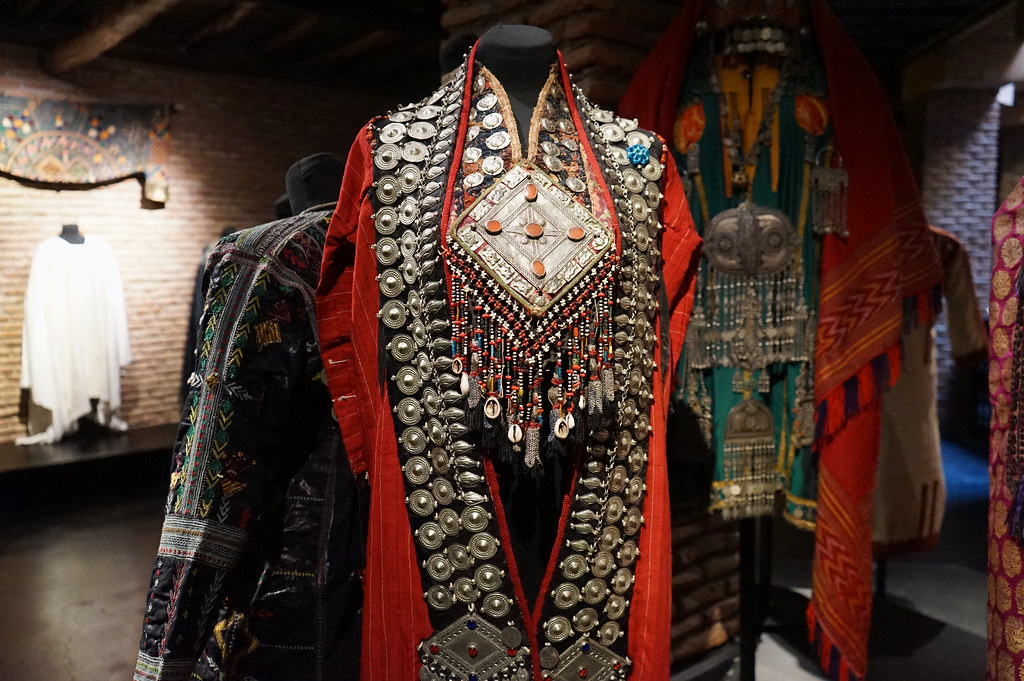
[
  {"x": 382, "y": 46},
  {"x": 891, "y": 32}
]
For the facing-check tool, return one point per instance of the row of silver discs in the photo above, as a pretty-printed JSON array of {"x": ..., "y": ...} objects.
[
  {"x": 492, "y": 124},
  {"x": 602, "y": 542},
  {"x": 447, "y": 493},
  {"x": 485, "y": 120},
  {"x": 560, "y": 146}
]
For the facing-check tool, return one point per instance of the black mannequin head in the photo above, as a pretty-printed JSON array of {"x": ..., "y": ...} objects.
[
  {"x": 314, "y": 180},
  {"x": 517, "y": 54},
  {"x": 520, "y": 57},
  {"x": 69, "y": 232}
]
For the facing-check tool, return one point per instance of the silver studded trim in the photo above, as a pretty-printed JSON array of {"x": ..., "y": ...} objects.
[
  {"x": 387, "y": 157},
  {"x": 557, "y": 629},
  {"x": 438, "y": 598},
  {"x": 462, "y": 569},
  {"x": 497, "y": 605},
  {"x": 600, "y": 549},
  {"x": 488, "y": 577}
]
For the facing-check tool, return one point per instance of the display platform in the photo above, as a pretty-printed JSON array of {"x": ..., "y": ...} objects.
[{"x": 91, "y": 464}]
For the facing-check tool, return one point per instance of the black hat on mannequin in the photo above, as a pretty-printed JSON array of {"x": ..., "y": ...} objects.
[{"x": 314, "y": 181}]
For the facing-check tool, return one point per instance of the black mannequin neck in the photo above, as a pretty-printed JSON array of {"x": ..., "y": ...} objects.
[
  {"x": 520, "y": 57},
  {"x": 71, "y": 234},
  {"x": 313, "y": 181}
]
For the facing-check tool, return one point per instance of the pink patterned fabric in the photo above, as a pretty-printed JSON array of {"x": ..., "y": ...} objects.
[{"x": 1005, "y": 580}]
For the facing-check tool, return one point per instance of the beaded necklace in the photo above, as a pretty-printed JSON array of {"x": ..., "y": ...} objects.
[{"x": 745, "y": 42}]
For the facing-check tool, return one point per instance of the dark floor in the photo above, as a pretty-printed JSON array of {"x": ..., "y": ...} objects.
[
  {"x": 73, "y": 580},
  {"x": 72, "y": 590},
  {"x": 930, "y": 625}
]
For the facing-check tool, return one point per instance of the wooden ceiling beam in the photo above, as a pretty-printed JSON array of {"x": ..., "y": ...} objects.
[
  {"x": 295, "y": 32},
  {"x": 368, "y": 42},
  {"x": 106, "y": 32},
  {"x": 223, "y": 22},
  {"x": 421, "y": 18},
  {"x": 26, "y": 8}
]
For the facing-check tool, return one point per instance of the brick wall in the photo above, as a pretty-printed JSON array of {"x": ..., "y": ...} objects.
[
  {"x": 959, "y": 177},
  {"x": 705, "y": 583},
  {"x": 232, "y": 139}
]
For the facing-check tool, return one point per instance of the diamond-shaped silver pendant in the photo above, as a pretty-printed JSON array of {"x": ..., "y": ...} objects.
[
  {"x": 588, "y": 659},
  {"x": 472, "y": 649},
  {"x": 532, "y": 237}
]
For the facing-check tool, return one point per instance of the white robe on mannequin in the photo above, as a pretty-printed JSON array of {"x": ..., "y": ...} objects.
[{"x": 74, "y": 336}]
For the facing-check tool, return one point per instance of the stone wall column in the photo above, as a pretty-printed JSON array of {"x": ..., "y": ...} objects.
[{"x": 959, "y": 179}]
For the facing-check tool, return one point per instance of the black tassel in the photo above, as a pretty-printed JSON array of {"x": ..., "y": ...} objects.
[
  {"x": 579, "y": 432},
  {"x": 491, "y": 433},
  {"x": 556, "y": 448},
  {"x": 507, "y": 451},
  {"x": 475, "y": 419}
]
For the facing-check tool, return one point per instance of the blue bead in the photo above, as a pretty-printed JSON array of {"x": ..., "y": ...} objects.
[
  {"x": 471, "y": 624},
  {"x": 585, "y": 647},
  {"x": 638, "y": 154},
  {"x": 472, "y": 677}
]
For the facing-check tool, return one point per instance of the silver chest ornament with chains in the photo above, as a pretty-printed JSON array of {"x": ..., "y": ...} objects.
[{"x": 538, "y": 255}]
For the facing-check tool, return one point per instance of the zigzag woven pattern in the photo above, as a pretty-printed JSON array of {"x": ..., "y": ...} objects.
[
  {"x": 839, "y": 614},
  {"x": 839, "y": 348}
]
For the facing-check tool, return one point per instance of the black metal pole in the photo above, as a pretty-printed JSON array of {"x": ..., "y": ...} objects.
[
  {"x": 749, "y": 625},
  {"x": 764, "y": 571}
]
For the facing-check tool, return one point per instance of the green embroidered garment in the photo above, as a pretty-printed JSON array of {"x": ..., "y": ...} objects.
[{"x": 753, "y": 140}]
